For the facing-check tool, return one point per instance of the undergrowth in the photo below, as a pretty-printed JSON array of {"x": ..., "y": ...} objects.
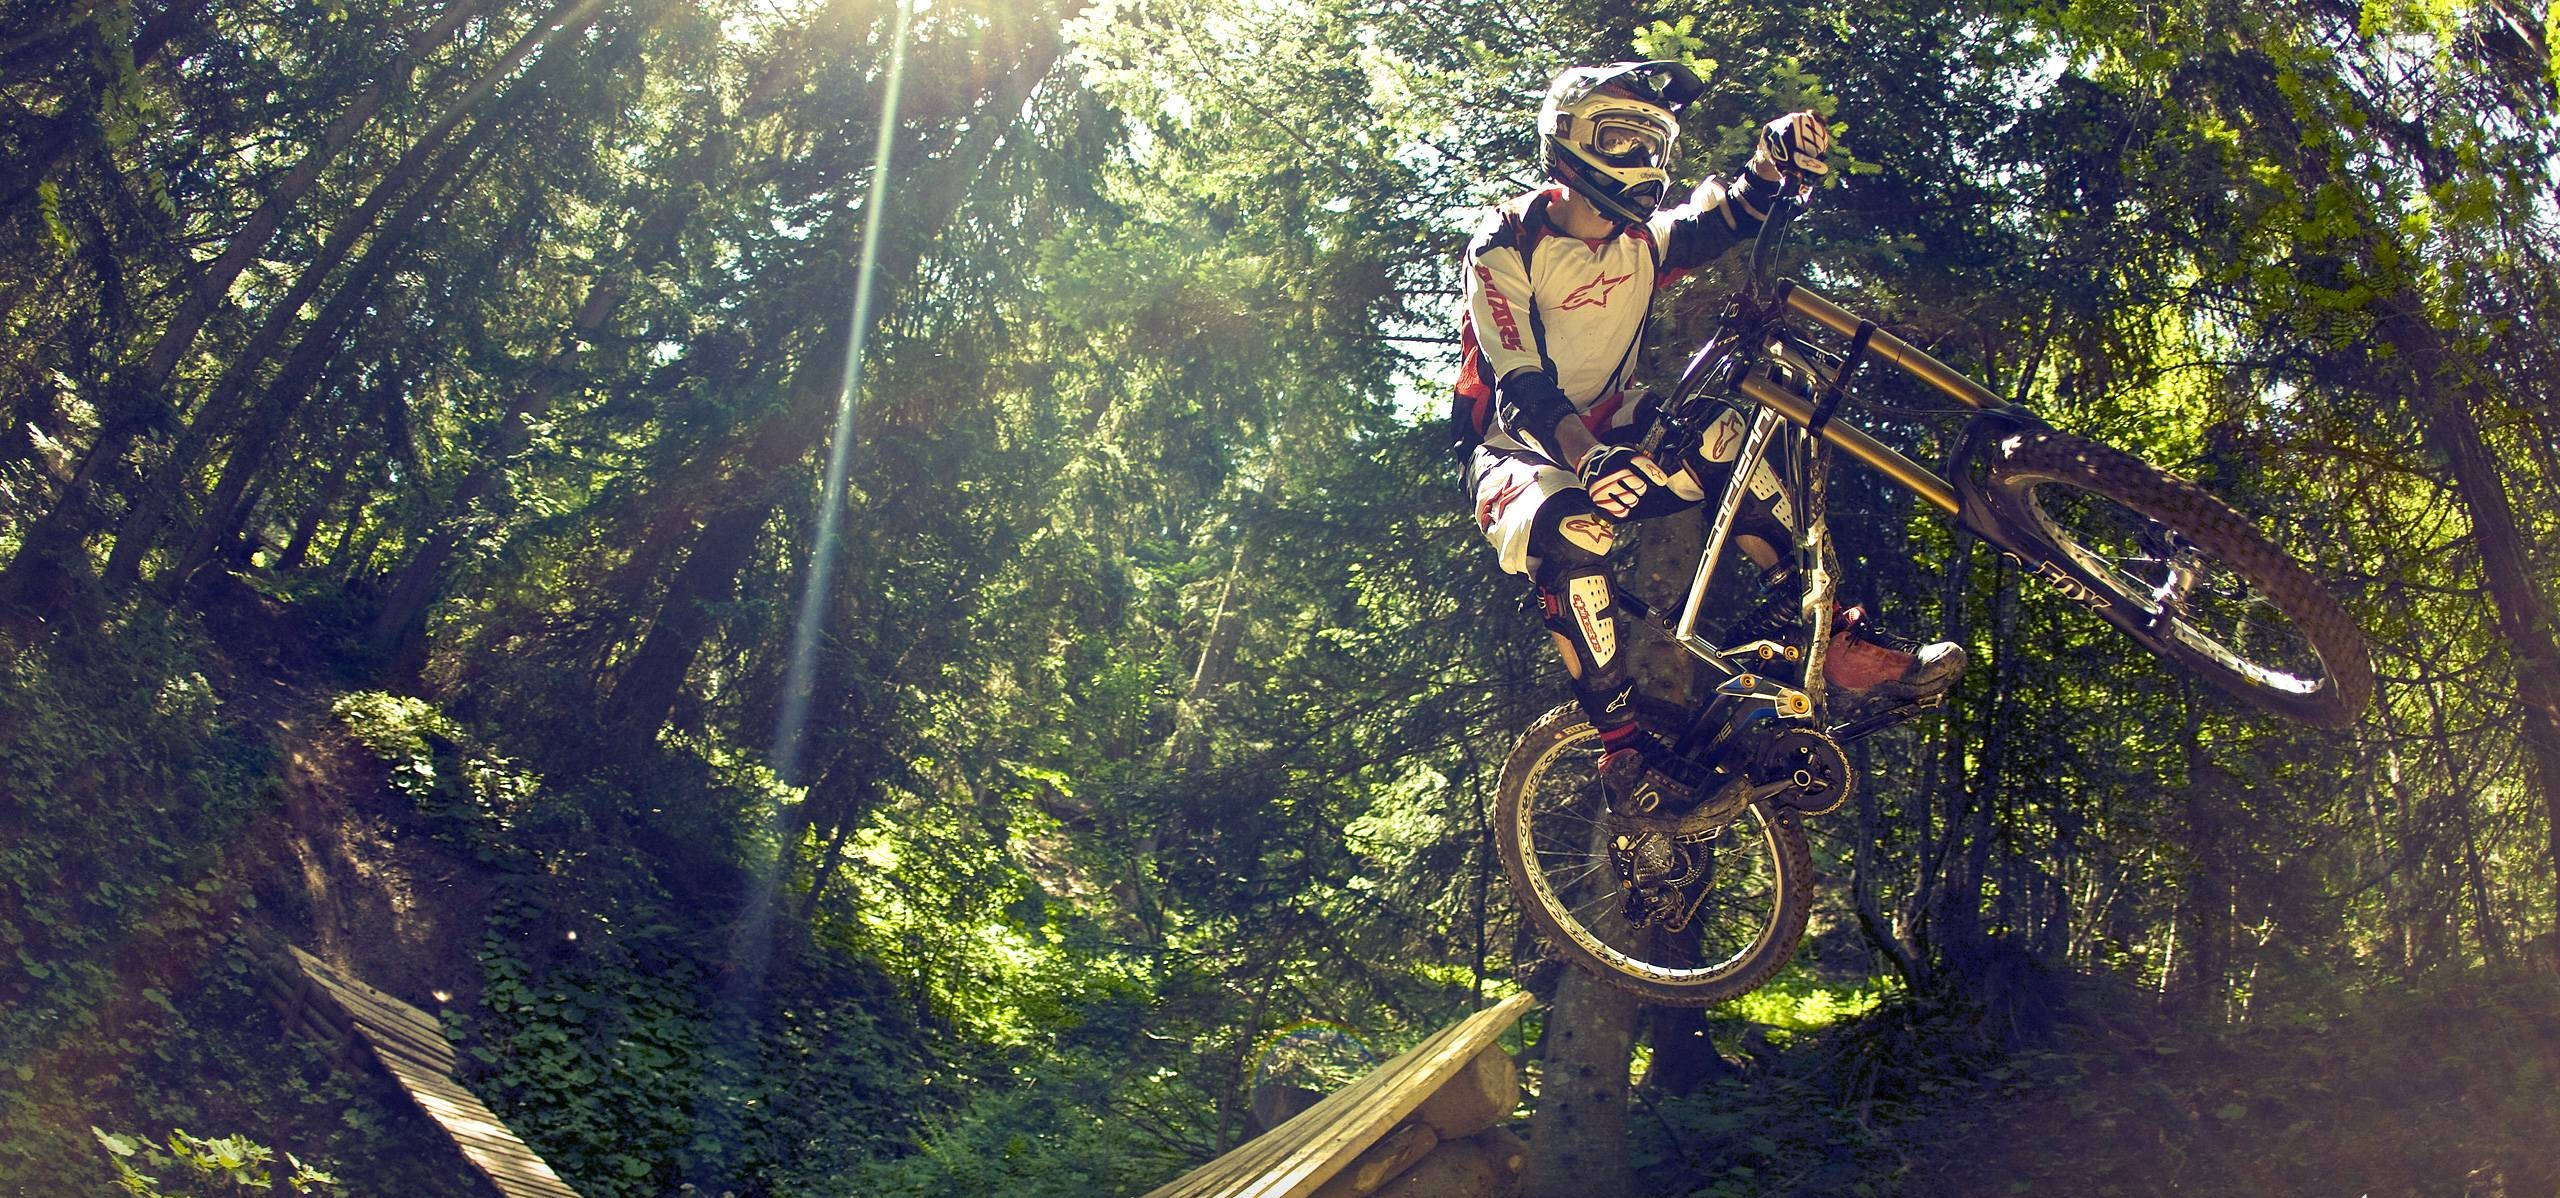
[
  {"x": 2441, "y": 1088},
  {"x": 131, "y": 801}
]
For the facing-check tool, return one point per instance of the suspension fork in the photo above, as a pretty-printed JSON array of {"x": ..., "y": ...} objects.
[{"x": 1814, "y": 557}]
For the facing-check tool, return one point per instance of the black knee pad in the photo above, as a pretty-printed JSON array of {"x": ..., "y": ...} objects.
[
  {"x": 1569, "y": 535},
  {"x": 1758, "y": 516}
]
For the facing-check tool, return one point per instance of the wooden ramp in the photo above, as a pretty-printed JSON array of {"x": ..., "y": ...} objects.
[
  {"x": 407, "y": 1041},
  {"x": 1300, "y": 1156}
]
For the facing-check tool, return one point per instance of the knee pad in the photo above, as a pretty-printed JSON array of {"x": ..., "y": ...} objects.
[
  {"x": 1569, "y": 533},
  {"x": 1767, "y": 512},
  {"x": 1571, "y": 541}
]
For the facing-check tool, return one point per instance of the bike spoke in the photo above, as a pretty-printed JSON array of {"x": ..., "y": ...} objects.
[{"x": 1563, "y": 883}]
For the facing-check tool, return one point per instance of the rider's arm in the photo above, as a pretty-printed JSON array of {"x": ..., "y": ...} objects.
[
  {"x": 1527, "y": 400},
  {"x": 1720, "y": 214}
]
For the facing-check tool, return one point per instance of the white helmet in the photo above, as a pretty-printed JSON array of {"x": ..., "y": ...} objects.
[{"x": 1607, "y": 133}]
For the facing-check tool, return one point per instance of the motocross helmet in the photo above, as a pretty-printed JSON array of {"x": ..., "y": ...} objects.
[{"x": 1607, "y": 133}]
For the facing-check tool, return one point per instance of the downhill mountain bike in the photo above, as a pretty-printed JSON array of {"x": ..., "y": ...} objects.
[{"x": 1704, "y": 896}]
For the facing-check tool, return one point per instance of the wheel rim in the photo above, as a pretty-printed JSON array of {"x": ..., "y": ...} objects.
[
  {"x": 1562, "y": 834},
  {"x": 2198, "y": 601}
]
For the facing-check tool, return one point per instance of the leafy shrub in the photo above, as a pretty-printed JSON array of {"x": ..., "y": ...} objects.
[
  {"x": 229, "y": 1165},
  {"x": 132, "y": 807},
  {"x": 470, "y": 793}
]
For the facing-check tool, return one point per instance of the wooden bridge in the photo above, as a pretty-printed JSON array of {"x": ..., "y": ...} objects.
[
  {"x": 1424, "y": 1125},
  {"x": 369, "y": 1025},
  {"x": 1427, "y": 1124}
]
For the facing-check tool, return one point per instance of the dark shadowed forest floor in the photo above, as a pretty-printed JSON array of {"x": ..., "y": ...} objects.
[{"x": 305, "y": 834}]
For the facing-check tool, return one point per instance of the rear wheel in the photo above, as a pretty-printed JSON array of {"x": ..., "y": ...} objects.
[
  {"x": 1747, "y": 908},
  {"x": 2181, "y": 572}
]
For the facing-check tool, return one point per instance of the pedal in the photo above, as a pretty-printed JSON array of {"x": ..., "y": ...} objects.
[{"x": 1869, "y": 725}]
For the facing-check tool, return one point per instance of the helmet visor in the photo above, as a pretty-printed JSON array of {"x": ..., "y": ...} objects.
[{"x": 1627, "y": 141}]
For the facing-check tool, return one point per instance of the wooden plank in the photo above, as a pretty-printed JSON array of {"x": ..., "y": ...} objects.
[
  {"x": 375, "y": 1007},
  {"x": 409, "y": 1045},
  {"x": 1305, "y": 1152},
  {"x": 1366, "y": 1114},
  {"x": 386, "y": 1008},
  {"x": 435, "y": 1052},
  {"x": 1352, "y": 1102},
  {"x": 404, "y": 1037},
  {"x": 485, "y": 1139},
  {"x": 1313, "y": 1154},
  {"x": 439, "y": 1067}
]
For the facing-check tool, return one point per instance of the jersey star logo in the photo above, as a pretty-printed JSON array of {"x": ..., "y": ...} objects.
[{"x": 1582, "y": 296}]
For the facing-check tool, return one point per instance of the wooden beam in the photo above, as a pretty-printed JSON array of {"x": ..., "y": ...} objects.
[
  {"x": 1300, "y": 1155},
  {"x": 409, "y": 1044}
]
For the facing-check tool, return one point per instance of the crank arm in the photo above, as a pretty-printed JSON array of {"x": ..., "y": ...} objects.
[{"x": 1772, "y": 790}]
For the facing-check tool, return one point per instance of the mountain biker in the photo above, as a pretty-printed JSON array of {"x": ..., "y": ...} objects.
[{"x": 1558, "y": 282}]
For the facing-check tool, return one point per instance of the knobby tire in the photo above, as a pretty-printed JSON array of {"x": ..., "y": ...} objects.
[
  {"x": 2032, "y": 462},
  {"x": 1565, "y": 730}
]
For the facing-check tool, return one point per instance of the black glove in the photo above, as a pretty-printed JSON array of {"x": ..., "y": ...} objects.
[
  {"x": 1792, "y": 144},
  {"x": 1618, "y": 475}
]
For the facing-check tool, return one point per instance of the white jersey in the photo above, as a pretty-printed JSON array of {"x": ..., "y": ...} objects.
[{"x": 1572, "y": 309}]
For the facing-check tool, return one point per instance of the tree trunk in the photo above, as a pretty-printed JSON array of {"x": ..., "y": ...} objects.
[
  {"x": 1578, "y": 1147},
  {"x": 1862, "y": 877},
  {"x": 1685, "y": 1058},
  {"x": 645, "y": 689},
  {"x": 137, "y": 394},
  {"x": 300, "y": 374},
  {"x": 1957, "y": 923},
  {"x": 1940, "y": 770},
  {"x": 2523, "y": 617},
  {"x": 2204, "y": 984},
  {"x": 2492, "y": 934},
  {"x": 1187, "y": 750},
  {"x": 2395, "y": 916},
  {"x": 307, "y": 529}
]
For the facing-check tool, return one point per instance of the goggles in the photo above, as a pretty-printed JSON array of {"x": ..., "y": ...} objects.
[{"x": 1628, "y": 141}]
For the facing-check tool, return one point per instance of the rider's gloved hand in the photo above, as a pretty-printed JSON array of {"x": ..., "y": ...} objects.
[
  {"x": 1619, "y": 475},
  {"x": 1792, "y": 144}
]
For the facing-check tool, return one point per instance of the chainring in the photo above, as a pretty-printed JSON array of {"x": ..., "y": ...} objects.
[{"x": 1816, "y": 765}]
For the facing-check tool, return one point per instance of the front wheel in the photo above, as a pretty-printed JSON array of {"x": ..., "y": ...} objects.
[
  {"x": 2182, "y": 573},
  {"x": 1746, "y": 909}
]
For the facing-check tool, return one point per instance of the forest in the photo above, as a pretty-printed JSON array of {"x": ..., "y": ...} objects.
[{"x": 870, "y": 597}]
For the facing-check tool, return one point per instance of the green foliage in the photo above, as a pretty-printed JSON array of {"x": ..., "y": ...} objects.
[
  {"x": 133, "y": 803},
  {"x": 1796, "y": 1001},
  {"x": 589, "y": 1059},
  {"x": 1162, "y": 683},
  {"x": 227, "y": 1164},
  {"x": 112, "y": 894},
  {"x": 469, "y": 792}
]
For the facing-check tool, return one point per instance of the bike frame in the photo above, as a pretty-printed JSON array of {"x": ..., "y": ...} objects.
[{"x": 1792, "y": 389}]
